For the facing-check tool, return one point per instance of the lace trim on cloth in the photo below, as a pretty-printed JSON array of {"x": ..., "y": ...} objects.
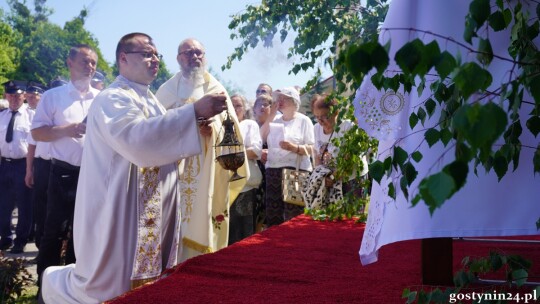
[{"x": 380, "y": 113}]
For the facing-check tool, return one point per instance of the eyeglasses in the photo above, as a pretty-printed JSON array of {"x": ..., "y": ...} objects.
[
  {"x": 261, "y": 91},
  {"x": 147, "y": 55},
  {"x": 190, "y": 53}
]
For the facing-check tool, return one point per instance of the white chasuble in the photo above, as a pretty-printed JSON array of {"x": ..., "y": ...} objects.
[
  {"x": 206, "y": 191},
  {"x": 484, "y": 206},
  {"x": 127, "y": 212}
]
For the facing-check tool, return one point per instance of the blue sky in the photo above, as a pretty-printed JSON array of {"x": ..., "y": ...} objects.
[{"x": 169, "y": 22}]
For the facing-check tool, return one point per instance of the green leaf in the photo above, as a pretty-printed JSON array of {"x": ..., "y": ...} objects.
[
  {"x": 471, "y": 78},
  {"x": 500, "y": 165},
  {"x": 479, "y": 124},
  {"x": 486, "y": 52},
  {"x": 513, "y": 133},
  {"x": 430, "y": 106},
  {"x": 391, "y": 191},
  {"x": 430, "y": 57},
  {"x": 496, "y": 262},
  {"x": 410, "y": 55},
  {"x": 470, "y": 29},
  {"x": 458, "y": 170},
  {"x": 446, "y": 64},
  {"x": 432, "y": 136},
  {"x": 422, "y": 115},
  {"x": 480, "y": 11},
  {"x": 446, "y": 136},
  {"x": 403, "y": 185},
  {"x": 388, "y": 163},
  {"x": 497, "y": 21},
  {"x": 536, "y": 160},
  {"x": 418, "y": 197},
  {"x": 376, "y": 170},
  {"x": 534, "y": 88},
  {"x": 520, "y": 276},
  {"x": 400, "y": 156},
  {"x": 417, "y": 156},
  {"x": 360, "y": 59},
  {"x": 533, "y": 124},
  {"x": 410, "y": 172},
  {"x": 436, "y": 189},
  {"x": 413, "y": 120}
]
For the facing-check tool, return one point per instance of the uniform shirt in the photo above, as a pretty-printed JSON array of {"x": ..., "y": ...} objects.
[
  {"x": 61, "y": 106},
  {"x": 18, "y": 147}
]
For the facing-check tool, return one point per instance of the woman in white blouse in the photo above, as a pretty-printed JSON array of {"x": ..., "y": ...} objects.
[
  {"x": 289, "y": 136},
  {"x": 242, "y": 217},
  {"x": 325, "y": 150}
]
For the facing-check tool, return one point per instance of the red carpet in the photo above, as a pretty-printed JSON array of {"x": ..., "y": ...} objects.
[{"x": 304, "y": 261}]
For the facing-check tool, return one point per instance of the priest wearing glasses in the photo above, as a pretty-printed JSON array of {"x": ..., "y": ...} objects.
[{"x": 127, "y": 214}]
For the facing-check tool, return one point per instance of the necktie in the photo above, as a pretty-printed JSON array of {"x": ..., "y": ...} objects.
[{"x": 9, "y": 133}]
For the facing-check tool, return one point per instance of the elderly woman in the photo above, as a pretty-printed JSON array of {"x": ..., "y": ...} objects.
[
  {"x": 242, "y": 215},
  {"x": 325, "y": 150},
  {"x": 289, "y": 137}
]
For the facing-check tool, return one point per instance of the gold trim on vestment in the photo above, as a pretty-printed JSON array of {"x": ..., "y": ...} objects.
[
  {"x": 147, "y": 261},
  {"x": 196, "y": 246},
  {"x": 141, "y": 282}
]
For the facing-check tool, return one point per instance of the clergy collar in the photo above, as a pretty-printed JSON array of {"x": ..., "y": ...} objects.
[{"x": 141, "y": 89}]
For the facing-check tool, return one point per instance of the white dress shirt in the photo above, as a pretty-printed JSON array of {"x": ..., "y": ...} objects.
[
  {"x": 18, "y": 147},
  {"x": 61, "y": 106}
]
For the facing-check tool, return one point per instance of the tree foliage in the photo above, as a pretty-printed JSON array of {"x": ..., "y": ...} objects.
[
  {"x": 9, "y": 53},
  {"x": 473, "y": 118},
  {"x": 33, "y": 48},
  {"x": 323, "y": 29}
]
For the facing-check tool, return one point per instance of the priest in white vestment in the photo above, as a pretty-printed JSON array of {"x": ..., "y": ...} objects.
[
  {"x": 206, "y": 192},
  {"x": 484, "y": 206},
  {"x": 127, "y": 216}
]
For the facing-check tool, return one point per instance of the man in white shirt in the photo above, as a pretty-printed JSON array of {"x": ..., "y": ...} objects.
[
  {"x": 14, "y": 129},
  {"x": 59, "y": 120},
  {"x": 38, "y": 163},
  {"x": 127, "y": 216}
]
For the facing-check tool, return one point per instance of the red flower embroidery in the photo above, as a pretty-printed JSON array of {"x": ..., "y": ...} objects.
[{"x": 220, "y": 218}]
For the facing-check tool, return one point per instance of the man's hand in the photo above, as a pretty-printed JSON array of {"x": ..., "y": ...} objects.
[
  {"x": 29, "y": 179},
  {"x": 210, "y": 105},
  {"x": 75, "y": 130}
]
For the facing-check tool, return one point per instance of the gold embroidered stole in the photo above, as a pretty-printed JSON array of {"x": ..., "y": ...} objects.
[{"x": 147, "y": 262}]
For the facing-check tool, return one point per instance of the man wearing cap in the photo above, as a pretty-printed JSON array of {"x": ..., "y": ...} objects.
[
  {"x": 205, "y": 210},
  {"x": 33, "y": 94},
  {"x": 14, "y": 130},
  {"x": 59, "y": 120},
  {"x": 38, "y": 165}
]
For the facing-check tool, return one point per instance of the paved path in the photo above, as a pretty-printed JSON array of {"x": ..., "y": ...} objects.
[{"x": 29, "y": 254}]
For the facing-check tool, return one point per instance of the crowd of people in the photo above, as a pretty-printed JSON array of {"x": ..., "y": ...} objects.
[{"x": 116, "y": 184}]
